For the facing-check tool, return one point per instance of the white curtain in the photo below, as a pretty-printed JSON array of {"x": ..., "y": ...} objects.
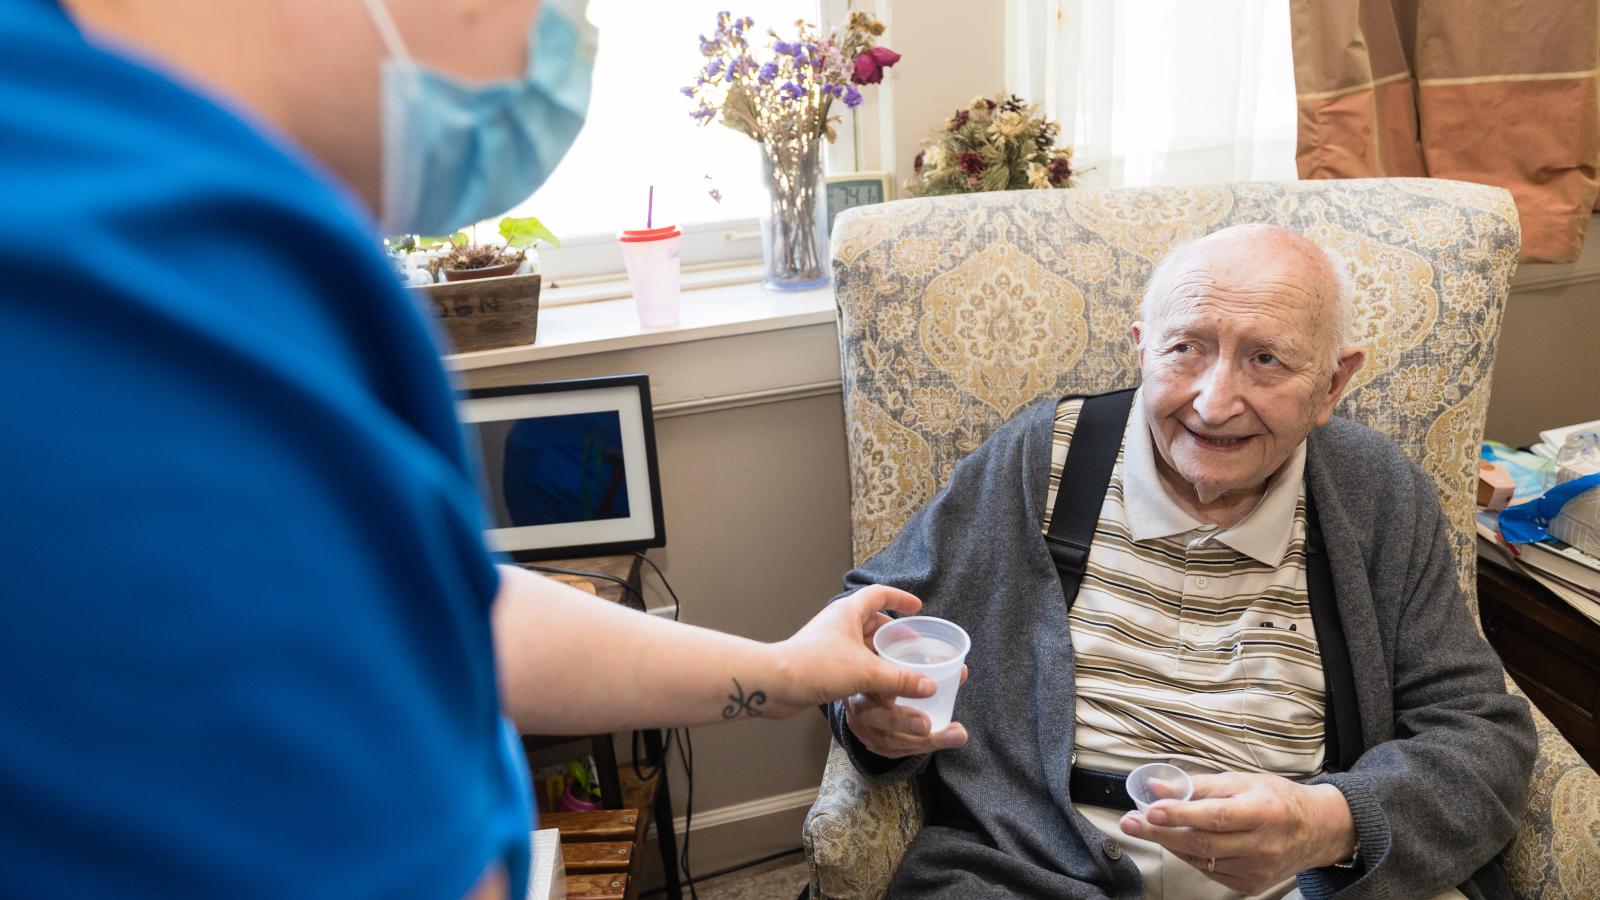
[{"x": 1155, "y": 92}]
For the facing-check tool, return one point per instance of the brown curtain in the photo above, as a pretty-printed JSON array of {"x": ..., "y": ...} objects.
[{"x": 1503, "y": 92}]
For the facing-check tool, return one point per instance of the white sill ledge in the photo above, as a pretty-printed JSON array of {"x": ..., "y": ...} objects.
[{"x": 717, "y": 310}]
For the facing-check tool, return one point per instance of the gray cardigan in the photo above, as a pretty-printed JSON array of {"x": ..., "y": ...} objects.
[{"x": 1437, "y": 793}]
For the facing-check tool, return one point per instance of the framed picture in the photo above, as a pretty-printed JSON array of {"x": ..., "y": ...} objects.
[
  {"x": 855, "y": 189},
  {"x": 569, "y": 467}
]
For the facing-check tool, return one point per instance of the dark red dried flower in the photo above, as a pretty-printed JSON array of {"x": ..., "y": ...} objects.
[
  {"x": 916, "y": 164},
  {"x": 971, "y": 162},
  {"x": 960, "y": 119},
  {"x": 1060, "y": 170},
  {"x": 869, "y": 66}
]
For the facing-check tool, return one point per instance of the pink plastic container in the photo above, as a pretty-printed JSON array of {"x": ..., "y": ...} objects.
[{"x": 651, "y": 255}]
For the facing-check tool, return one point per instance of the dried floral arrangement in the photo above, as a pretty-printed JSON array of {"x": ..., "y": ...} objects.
[
  {"x": 788, "y": 96},
  {"x": 993, "y": 144}
]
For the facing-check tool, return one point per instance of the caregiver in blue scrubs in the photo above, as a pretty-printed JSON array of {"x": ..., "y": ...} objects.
[{"x": 251, "y": 642}]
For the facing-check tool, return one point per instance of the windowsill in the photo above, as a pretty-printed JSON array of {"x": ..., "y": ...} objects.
[{"x": 716, "y": 310}]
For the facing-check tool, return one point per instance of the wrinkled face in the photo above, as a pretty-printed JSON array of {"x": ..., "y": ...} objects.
[{"x": 1238, "y": 366}]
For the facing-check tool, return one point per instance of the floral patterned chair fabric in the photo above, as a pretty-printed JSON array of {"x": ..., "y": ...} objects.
[{"x": 956, "y": 312}]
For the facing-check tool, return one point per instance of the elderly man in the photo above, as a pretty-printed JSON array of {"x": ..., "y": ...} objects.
[{"x": 1348, "y": 729}]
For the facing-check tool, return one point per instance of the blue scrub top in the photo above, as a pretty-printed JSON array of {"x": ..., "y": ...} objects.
[{"x": 245, "y": 643}]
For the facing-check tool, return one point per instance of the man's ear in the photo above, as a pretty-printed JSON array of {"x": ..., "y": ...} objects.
[
  {"x": 1350, "y": 362},
  {"x": 1138, "y": 334}
]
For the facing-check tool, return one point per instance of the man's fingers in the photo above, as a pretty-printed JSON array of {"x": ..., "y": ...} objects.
[
  {"x": 1195, "y": 842},
  {"x": 1226, "y": 784},
  {"x": 896, "y": 744},
  {"x": 1226, "y": 814},
  {"x": 963, "y": 674}
]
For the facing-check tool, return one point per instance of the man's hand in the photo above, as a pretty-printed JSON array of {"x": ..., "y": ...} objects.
[
  {"x": 832, "y": 656},
  {"x": 895, "y": 731},
  {"x": 1250, "y": 832}
]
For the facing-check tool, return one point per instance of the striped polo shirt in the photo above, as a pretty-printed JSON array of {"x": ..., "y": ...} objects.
[{"x": 1194, "y": 645}]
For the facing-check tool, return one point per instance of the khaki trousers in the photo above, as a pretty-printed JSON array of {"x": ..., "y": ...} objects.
[{"x": 1167, "y": 877}]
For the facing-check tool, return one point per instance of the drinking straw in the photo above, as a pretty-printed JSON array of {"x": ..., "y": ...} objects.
[{"x": 650, "y": 208}]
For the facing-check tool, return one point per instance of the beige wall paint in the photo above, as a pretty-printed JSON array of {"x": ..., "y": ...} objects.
[{"x": 1547, "y": 368}]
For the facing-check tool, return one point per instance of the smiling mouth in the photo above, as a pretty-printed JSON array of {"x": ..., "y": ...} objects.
[{"x": 1218, "y": 443}]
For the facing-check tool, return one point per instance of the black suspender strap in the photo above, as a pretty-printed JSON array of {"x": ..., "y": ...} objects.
[
  {"x": 1342, "y": 718},
  {"x": 1090, "y": 458}
]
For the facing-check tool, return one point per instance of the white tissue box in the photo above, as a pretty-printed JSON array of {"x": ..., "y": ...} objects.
[{"x": 548, "y": 878}]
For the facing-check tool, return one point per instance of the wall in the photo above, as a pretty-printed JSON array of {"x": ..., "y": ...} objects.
[{"x": 1547, "y": 369}]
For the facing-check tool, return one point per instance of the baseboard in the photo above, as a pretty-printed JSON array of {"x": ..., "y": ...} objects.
[
  {"x": 734, "y": 835},
  {"x": 743, "y": 812}
]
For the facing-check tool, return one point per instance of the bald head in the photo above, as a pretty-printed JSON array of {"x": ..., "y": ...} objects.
[{"x": 1259, "y": 257}]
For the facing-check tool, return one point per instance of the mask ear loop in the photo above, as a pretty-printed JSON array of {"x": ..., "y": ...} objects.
[{"x": 389, "y": 34}]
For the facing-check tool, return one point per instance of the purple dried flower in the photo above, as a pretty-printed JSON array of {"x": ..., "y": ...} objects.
[
  {"x": 782, "y": 48},
  {"x": 703, "y": 114},
  {"x": 686, "y": 91},
  {"x": 713, "y": 67},
  {"x": 852, "y": 98},
  {"x": 792, "y": 91},
  {"x": 767, "y": 73},
  {"x": 706, "y": 45}
]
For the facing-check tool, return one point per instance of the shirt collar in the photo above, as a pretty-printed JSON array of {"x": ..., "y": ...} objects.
[{"x": 1262, "y": 535}]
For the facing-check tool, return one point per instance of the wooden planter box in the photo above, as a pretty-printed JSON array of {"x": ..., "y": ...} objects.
[{"x": 486, "y": 313}]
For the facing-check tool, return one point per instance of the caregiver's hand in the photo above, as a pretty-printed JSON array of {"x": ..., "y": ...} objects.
[
  {"x": 1250, "y": 832},
  {"x": 894, "y": 731},
  {"x": 832, "y": 656}
]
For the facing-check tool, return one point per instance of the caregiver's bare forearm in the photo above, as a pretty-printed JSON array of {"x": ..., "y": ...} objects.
[{"x": 571, "y": 664}]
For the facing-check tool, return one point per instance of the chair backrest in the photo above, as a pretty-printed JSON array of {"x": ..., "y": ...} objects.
[{"x": 957, "y": 312}]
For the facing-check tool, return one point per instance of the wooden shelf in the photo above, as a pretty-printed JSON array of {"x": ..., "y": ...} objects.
[{"x": 1550, "y": 649}]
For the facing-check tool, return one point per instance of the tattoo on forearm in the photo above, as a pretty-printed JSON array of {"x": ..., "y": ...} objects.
[{"x": 739, "y": 704}]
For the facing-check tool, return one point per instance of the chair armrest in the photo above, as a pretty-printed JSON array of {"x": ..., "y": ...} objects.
[
  {"x": 1557, "y": 851},
  {"x": 856, "y": 834}
]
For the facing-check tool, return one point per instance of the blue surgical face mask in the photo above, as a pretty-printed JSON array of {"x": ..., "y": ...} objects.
[{"x": 456, "y": 153}]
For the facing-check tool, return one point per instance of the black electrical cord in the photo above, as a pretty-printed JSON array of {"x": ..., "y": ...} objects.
[
  {"x": 584, "y": 573},
  {"x": 676, "y": 606},
  {"x": 681, "y": 736}
]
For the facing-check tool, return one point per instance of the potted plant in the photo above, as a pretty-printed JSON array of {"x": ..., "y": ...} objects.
[
  {"x": 478, "y": 290},
  {"x": 464, "y": 259}
]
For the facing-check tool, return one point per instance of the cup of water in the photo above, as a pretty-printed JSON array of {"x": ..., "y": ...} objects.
[
  {"x": 928, "y": 646},
  {"x": 1158, "y": 781}
]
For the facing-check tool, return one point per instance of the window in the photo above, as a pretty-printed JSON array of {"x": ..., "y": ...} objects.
[
  {"x": 1162, "y": 91},
  {"x": 639, "y": 134}
]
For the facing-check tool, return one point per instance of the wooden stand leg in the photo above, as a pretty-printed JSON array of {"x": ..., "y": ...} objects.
[{"x": 605, "y": 762}]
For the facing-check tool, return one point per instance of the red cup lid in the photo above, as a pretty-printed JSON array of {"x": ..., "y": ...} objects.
[{"x": 637, "y": 235}]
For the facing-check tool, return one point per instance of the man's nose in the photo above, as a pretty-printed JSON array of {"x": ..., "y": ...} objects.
[{"x": 1218, "y": 398}]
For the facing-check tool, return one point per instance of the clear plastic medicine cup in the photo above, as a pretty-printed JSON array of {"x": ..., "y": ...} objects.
[
  {"x": 651, "y": 255},
  {"x": 929, "y": 646},
  {"x": 1158, "y": 781}
]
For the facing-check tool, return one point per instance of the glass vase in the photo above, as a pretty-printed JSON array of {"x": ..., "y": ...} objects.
[{"x": 794, "y": 223}]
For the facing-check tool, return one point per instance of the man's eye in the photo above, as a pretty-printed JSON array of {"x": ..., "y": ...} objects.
[
  {"x": 1266, "y": 359},
  {"x": 1182, "y": 348}
]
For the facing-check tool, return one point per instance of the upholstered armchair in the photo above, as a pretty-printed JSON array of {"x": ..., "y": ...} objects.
[{"x": 957, "y": 312}]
